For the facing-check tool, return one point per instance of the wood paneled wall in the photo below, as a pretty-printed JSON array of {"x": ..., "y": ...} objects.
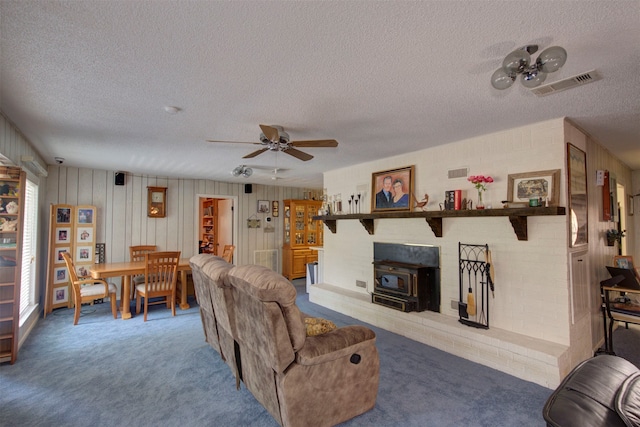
[{"x": 122, "y": 210}]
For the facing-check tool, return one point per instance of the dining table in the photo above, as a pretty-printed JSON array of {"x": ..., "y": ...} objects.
[{"x": 128, "y": 269}]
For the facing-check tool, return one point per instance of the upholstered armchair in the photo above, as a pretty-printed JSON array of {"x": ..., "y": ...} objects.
[{"x": 301, "y": 380}]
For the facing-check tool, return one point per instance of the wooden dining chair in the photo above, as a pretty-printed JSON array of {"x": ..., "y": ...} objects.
[
  {"x": 227, "y": 253},
  {"x": 160, "y": 275},
  {"x": 137, "y": 253},
  {"x": 87, "y": 289}
]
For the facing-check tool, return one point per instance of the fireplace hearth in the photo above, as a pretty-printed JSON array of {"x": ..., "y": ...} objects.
[{"x": 406, "y": 277}]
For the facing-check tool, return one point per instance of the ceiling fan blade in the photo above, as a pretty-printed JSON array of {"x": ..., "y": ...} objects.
[
  {"x": 234, "y": 142},
  {"x": 315, "y": 143},
  {"x": 298, "y": 154},
  {"x": 270, "y": 132},
  {"x": 255, "y": 153}
]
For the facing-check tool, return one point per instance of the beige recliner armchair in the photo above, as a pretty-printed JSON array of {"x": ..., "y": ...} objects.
[{"x": 306, "y": 381}]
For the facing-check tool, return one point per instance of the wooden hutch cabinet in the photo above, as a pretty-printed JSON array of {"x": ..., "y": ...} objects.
[
  {"x": 301, "y": 232},
  {"x": 12, "y": 185}
]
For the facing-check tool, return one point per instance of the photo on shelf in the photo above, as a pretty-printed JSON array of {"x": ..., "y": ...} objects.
[
  {"x": 85, "y": 216},
  {"x": 59, "y": 251},
  {"x": 84, "y": 254},
  {"x": 60, "y": 275},
  {"x": 85, "y": 235},
  {"x": 63, "y": 235},
  {"x": 63, "y": 216},
  {"x": 60, "y": 295}
]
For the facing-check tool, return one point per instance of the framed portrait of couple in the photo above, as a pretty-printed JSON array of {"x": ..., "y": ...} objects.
[{"x": 392, "y": 190}]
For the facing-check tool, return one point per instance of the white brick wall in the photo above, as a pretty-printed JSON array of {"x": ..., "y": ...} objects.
[{"x": 532, "y": 295}]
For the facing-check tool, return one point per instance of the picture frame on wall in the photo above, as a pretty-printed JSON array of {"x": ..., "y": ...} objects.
[
  {"x": 263, "y": 206},
  {"x": 532, "y": 185},
  {"x": 392, "y": 190},
  {"x": 577, "y": 189}
]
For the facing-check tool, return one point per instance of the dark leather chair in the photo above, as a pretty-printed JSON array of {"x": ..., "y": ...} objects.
[{"x": 603, "y": 391}]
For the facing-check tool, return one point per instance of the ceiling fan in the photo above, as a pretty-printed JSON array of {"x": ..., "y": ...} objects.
[{"x": 274, "y": 138}]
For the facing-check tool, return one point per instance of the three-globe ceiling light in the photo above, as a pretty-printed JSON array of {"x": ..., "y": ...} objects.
[
  {"x": 533, "y": 73},
  {"x": 243, "y": 171}
]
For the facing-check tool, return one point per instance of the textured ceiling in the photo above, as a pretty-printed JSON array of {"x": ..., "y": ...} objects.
[{"x": 89, "y": 80}]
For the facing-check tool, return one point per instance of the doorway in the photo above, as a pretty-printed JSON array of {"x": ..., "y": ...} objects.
[{"x": 216, "y": 224}]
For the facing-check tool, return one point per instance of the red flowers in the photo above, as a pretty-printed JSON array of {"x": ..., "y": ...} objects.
[{"x": 480, "y": 181}]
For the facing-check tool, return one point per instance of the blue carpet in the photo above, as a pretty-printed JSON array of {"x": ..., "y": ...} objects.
[{"x": 107, "y": 372}]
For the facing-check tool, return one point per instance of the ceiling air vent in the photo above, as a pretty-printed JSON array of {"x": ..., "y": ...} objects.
[{"x": 568, "y": 83}]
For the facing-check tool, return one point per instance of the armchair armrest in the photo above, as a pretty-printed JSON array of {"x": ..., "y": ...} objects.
[{"x": 342, "y": 342}]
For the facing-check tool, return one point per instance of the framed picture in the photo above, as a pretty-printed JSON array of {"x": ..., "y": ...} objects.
[
  {"x": 532, "y": 185},
  {"x": 63, "y": 216},
  {"x": 63, "y": 235},
  {"x": 60, "y": 275},
  {"x": 577, "y": 185},
  {"x": 392, "y": 190},
  {"x": 263, "y": 206},
  {"x": 630, "y": 208},
  {"x": 84, "y": 254},
  {"x": 82, "y": 270},
  {"x": 85, "y": 215},
  {"x": 275, "y": 208},
  {"x": 60, "y": 295},
  {"x": 59, "y": 252},
  {"x": 85, "y": 235}
]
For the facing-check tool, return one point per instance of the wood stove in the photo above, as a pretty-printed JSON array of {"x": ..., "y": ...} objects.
[
  {"x": 405, "y": 287},
  {"x": 407, "y": 278}
]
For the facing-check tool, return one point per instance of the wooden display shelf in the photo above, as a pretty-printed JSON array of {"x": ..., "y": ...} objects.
[{"x": 517, "y": 217}]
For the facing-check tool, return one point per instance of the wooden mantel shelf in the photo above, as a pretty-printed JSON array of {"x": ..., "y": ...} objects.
[{"x": 517, "y": 216}]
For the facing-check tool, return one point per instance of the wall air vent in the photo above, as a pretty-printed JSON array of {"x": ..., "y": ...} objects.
[
  {"x": 457, "y": 173},
  {"x": 568, "y": 83}
]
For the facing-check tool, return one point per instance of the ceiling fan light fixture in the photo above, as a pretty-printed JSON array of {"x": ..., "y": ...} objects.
[
  {"x": 533, "y": 73},
  {"x": 516, "y": 61},
  {"x": 243, "y": 171},
  {"x": 502, "y": 80},
  {"x": 533, "y": 77},
  {"x": 552, "y": 59}
]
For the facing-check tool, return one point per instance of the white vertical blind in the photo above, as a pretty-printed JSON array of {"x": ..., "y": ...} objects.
[{"x": 29, "y": 233}]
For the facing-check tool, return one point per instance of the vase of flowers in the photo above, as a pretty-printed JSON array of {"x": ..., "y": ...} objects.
[
  {"x": 614, "y": 236},
  {"x": 480, "y": 182}
]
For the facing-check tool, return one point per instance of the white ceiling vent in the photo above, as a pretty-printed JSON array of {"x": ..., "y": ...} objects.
[{"x": 568, "y": 83}]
